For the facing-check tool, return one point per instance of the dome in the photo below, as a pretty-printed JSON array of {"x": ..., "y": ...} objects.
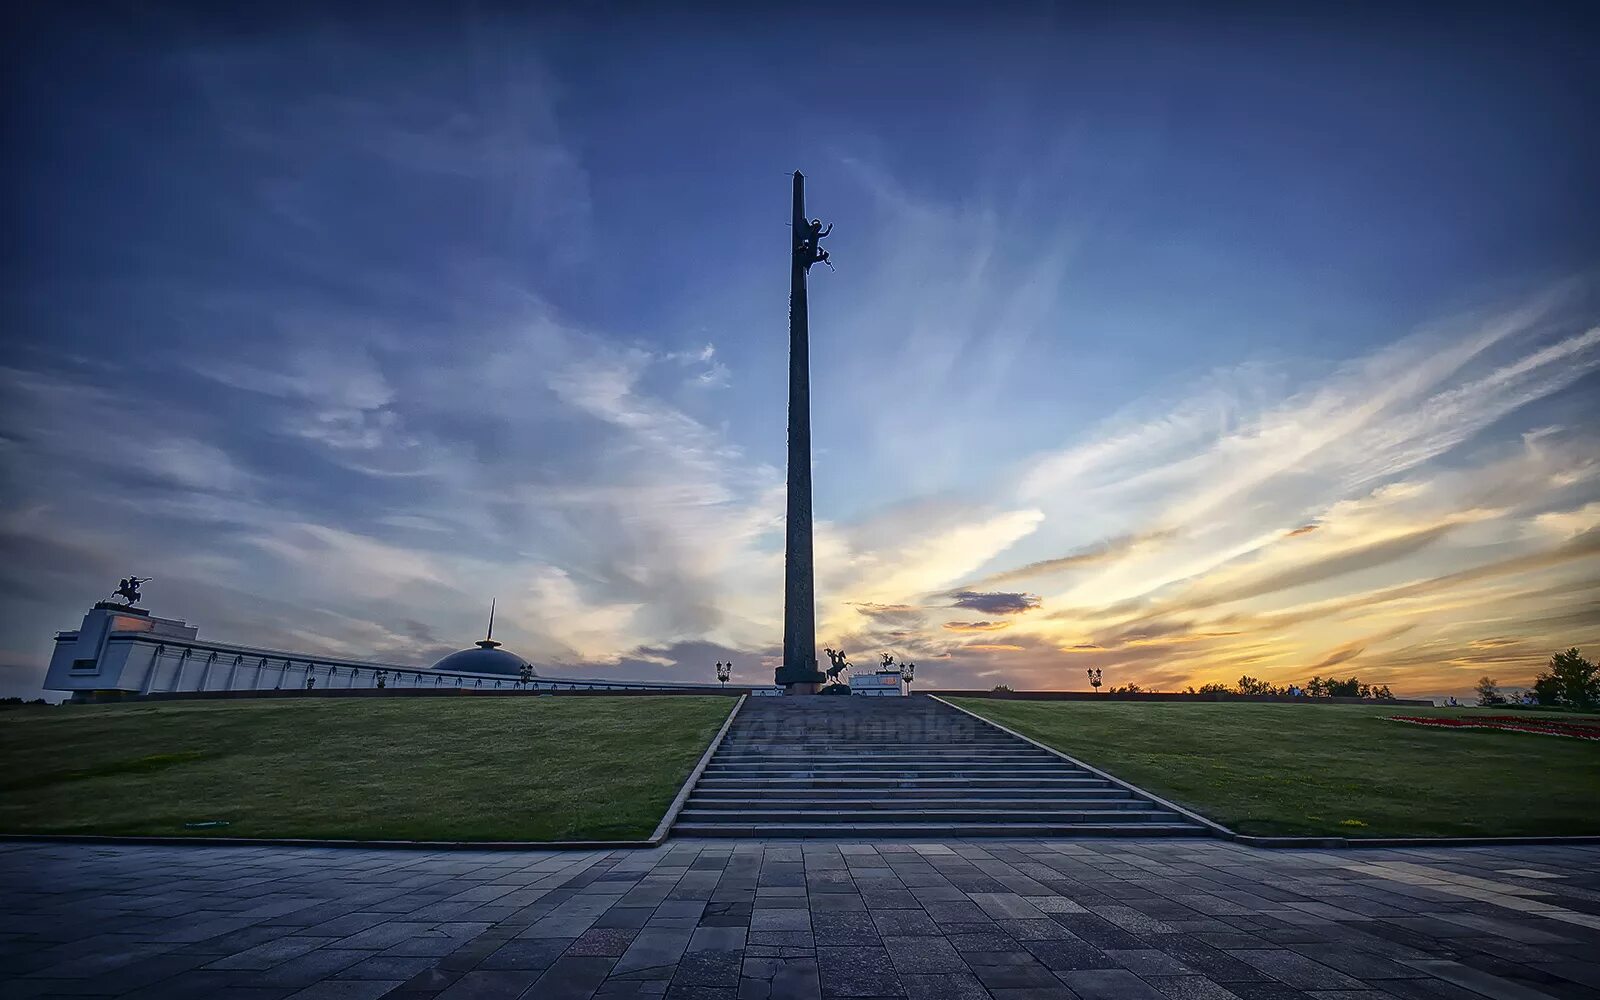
[{"x": 487, "y": 658}]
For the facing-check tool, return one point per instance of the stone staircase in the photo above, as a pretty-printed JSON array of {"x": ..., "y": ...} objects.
[{"x": 849, "y": 767}]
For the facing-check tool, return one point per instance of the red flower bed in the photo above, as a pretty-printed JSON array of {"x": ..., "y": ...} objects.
[{"x": 1578, "y": 729}]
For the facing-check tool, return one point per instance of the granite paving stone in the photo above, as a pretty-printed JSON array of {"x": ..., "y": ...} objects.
[
  {"x": 1110, "y": 984},
  {"x": 802, "y": 920}
]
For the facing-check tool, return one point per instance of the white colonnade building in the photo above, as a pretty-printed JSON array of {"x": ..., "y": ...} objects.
[{"x": 122, "y": 651}]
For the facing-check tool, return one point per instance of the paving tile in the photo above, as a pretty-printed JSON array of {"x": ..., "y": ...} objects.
[
  {"x": 844, "y": 928},
  {"x": 654, "y": 948},
  {"x": 393, "y": 967},
  {"x": 1015, "y": 975},
  {"x": 946, "y": 986},
  {"x": 571, "y": 978},
  {"x": 1190, "y": 920},
  {"x": 334, "y": 989},
  {"x": 270, "y": 953},
  {"x": 1148, "y": 962},
  {"x": 903, "y": 923},
  {"x": 310, "y": 967},
  {"x": 780, "y": 920},
  {"x": 1296, "y": 970},
  {"x": 609, "y": 942},
  {"x": 501, "y": 984},
  {"x": 1189, "y": 988},
  {"x": 780, "y": 979},
  {"x": 857, "y": 972},
  {"x": 1068, "y": 954},
  {"x": 709, "y": 967},
  {"x": 923, "y": 955},
  {"x": 1109, "y": 984},
  {"x": 526, "y": 954}
]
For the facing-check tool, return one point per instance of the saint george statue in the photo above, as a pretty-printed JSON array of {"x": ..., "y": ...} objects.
[{"x": 128, "y": 589}]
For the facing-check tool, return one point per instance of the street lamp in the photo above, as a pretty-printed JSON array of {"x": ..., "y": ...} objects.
[
  {"x": 907, "y": 672},
  {"x": 724, "y": 671},
  {"x": 1094, "y": 677}
]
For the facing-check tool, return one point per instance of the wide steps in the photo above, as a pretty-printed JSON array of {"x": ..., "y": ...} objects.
[
  {"x": 899, "y": 804},
  {"x": 959, "y": 782},
  {"x": 933, "y": 831},
  {"x": 942, "y": 795},
  {"x": 832, "y": 815},
  {"x": 903, "y": 768}
]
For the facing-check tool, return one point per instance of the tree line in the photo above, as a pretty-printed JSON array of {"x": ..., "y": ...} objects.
[
  {"x": 1569, "y": 681},
  {"x": 1316, "y": 687}
]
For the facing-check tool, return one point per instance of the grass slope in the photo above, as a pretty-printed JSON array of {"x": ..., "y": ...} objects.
[
  {"x": 404, "y": 768},
  {"x": 1325, "y": 769}
]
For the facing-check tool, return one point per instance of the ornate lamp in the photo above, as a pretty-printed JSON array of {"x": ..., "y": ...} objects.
[
  {"x": 907, "y": 672},
  {"x": 1094, "y": 677},
  {"x": 724, "y": 671}
]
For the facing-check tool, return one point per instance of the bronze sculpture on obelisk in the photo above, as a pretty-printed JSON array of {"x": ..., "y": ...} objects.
[{"x": 799, "y": 674}]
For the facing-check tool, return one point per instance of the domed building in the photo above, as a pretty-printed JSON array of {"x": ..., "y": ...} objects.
[{"x": 486, "y": 658}]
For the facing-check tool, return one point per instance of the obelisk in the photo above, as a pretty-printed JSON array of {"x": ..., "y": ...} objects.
[{"x": 799, "y": 673}]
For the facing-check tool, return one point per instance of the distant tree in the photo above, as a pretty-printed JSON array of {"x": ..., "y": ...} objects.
[
  {"x": 1382, "y": 691},
  {"x": 1570, "y": 681},
  {"x": 1130, "y": 689},
  {"x": 1489, "y": 691},
  {"x": 1249, "y": 685},
  {"x": 1344, "y": 689},
  {"x": 1316, "y": 687}
]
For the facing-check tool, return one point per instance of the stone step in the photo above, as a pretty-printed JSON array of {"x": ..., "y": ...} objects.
[
  {"x": 909, "y": 802},
  {"x": 957, "y": 793},
  {"x": 848, "y": 747},
  {"x": 930, "y": 831},
  {"x": 834, "y": 781},
  {"x": 910, "y": 755},
  {"x": 904, "y": 770},
  {"x": 1033, "y": 814},
  {"x": 907, "y": 769}
]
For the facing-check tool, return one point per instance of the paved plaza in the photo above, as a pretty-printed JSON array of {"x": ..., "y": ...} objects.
[{"x": 1096, "y": 919}]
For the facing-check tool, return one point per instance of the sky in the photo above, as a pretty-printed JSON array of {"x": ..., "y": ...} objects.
[{"x": 1184, "y": 347}]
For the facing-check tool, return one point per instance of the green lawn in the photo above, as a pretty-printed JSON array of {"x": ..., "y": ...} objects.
[
  {"x": 1343, "y": 770},
  {"x": 591, "y": 768}
]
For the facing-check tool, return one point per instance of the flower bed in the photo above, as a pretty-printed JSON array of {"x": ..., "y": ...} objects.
[{"x": 1579, "y": 729}]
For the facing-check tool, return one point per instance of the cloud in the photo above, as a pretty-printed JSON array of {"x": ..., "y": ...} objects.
[
  {"x": 1093, "y": 555},
  {"x": 1337, "y": 564},
  {"x": 388, "y": 391},
  {"x": 889, "y": 612},
  {"x": 994, "y": 603}
]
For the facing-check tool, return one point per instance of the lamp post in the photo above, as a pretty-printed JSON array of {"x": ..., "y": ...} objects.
[
  {"x": 724, "y": 671},
  {"x": 908, "y": 671},
  {"x": 1094, "y": 677}
]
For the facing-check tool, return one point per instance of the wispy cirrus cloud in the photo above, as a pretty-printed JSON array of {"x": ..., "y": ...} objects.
[{"x": 440, "y": 338}]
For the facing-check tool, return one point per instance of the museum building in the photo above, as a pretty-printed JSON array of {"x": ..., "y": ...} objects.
[{"x": 121, "y": 650}]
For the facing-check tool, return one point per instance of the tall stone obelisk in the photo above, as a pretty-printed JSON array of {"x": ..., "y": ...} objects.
[{"x": 799, "y": 673}]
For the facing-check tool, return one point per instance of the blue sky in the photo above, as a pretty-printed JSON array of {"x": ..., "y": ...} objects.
[{"x": 340, "y": 327}]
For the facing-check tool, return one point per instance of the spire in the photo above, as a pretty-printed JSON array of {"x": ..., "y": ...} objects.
[{"x": 487, "y": 642}]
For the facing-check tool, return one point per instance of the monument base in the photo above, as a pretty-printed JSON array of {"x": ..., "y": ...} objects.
[{"x": 804, "y": 687}]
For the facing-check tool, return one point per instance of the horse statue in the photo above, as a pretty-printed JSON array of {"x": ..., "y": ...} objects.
[
  {"x": 128, "y": 589},
  {"x": 840, "y": 664}
]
